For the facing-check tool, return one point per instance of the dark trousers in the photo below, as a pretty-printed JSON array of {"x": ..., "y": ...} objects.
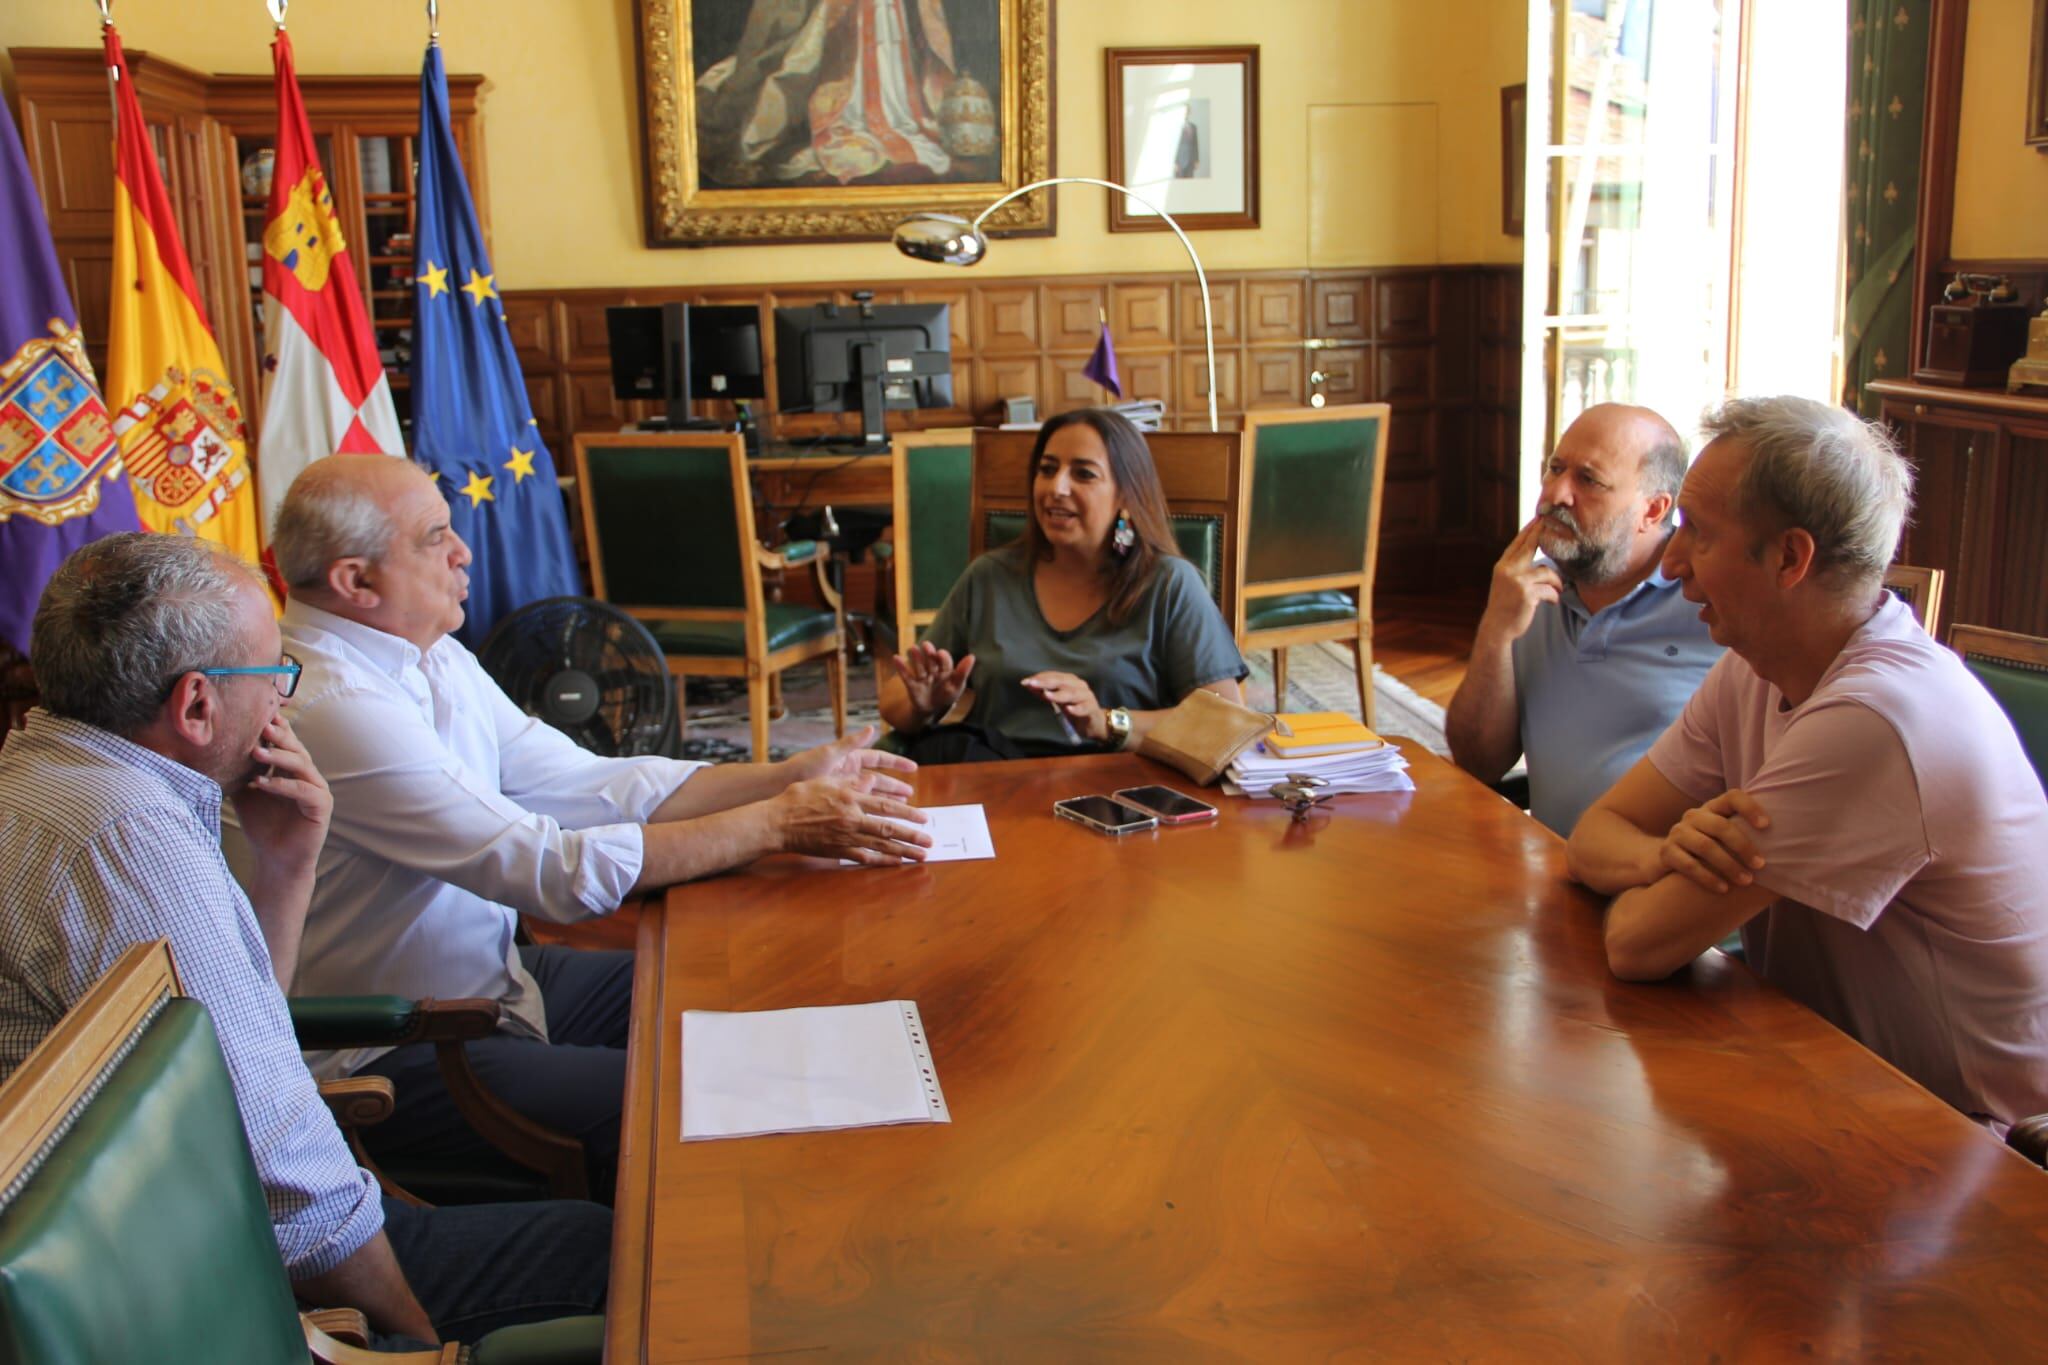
[
  {"x": 478, "y": 1267},
  {"x": 574, "y": 1083}
]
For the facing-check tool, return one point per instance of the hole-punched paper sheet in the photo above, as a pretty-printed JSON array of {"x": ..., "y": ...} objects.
[{"x": 805, "y": 1070}]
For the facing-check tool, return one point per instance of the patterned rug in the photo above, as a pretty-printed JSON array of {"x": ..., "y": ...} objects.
[{"x": 1319, "y": 678}]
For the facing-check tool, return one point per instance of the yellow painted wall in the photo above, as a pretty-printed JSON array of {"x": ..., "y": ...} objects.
[
  {"x": 561, "y": 123},
  {"x": 2001, "y": 182}
]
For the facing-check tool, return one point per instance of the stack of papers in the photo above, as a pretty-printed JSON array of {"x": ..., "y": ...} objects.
[{"x": 1325, "y": 744}]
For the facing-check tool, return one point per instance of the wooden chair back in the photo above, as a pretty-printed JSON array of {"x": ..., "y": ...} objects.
[
  {"x": 669, "y": 518},
  {"x": 2014, "y": 670},
  {"x": 1309, "y": 511},
  {"x": 132, "y": 1222},
  {"x": 1919, "y": 589}
]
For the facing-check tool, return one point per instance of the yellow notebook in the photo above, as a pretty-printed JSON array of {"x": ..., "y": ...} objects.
[{"x": 1319, "y": 732}]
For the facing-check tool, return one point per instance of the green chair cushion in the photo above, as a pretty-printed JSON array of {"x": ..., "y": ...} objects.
[
  {"x": 799, "y": 551},
  {"x": 334, "y": 1021},
  {"x": 143, "y": 1235},
  {"x": 2023, "y": 692},
  {"x": 564, "y": 1341},
  {"x": 883, "y": 549},
  {"x": 788, "y": 624},
  {"x": 1298, "y": 609},
  {"x": 1199, "y": 536}
]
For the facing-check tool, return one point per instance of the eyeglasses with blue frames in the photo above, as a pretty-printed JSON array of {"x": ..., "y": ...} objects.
[{"x": 286, "y": 673}]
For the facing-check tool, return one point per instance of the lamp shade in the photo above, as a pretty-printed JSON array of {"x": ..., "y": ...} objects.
[{"x": 941, "y": 239}]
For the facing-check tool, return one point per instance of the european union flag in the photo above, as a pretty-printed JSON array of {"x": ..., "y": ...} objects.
[
  {"x": 471, "y": 423},
  {"x": 61, "y": 480}
]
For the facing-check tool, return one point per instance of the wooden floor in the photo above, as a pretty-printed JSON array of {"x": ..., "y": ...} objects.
[{"x": 1426, "y": 641}]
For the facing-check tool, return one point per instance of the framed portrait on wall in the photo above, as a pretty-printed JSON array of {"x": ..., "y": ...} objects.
[
  {"x": 1184, "y": 134},
  {"x": 831, "y": 120}
]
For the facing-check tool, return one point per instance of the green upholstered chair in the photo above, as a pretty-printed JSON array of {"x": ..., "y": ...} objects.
[
  {"x": 2014, "y": 670},
  {"x": 1920, "y": 590},
  {"x": 1309, "y": 532},
  {"x": 927, "y": 549},
  {"x": 1198, "y": 472},
  {"x": 669, "y": 517},
  {"x": 533, "y": 1161},
  {"x": 132, "y": 1221}
]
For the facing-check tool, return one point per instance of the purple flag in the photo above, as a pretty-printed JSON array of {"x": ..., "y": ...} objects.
[
  {"x": 61, "y": 480},
  {"x": 1101, "y": 366}
]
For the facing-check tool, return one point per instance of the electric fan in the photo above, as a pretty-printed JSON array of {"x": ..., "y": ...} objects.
[{"x": 589, "y": 670}]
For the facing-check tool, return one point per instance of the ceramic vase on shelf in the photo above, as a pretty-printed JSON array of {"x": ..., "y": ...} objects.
[{"x": 256, "y": 169}]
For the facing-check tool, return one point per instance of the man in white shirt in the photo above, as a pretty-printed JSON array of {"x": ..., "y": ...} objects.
[{"x": 454, "y": 813}]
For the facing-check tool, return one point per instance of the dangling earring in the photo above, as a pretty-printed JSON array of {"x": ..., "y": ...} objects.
[{"x": 1123, "y": 537}]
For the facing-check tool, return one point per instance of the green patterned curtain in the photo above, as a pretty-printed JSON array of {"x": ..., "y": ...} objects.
[{"x": 1887, "y": 107}]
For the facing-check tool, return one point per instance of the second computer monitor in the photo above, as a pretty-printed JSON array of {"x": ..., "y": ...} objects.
[{"x": 864, "y": 358}]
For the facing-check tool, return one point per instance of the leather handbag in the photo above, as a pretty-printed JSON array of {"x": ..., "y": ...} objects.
[{"x": 1202, "y": 734}]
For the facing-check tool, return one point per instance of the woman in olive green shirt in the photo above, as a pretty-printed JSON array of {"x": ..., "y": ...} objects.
[{"x": 1075, "y": 638}]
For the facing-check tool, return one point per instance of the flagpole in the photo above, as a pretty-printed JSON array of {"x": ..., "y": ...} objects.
[{"x": 433, "y": 23}]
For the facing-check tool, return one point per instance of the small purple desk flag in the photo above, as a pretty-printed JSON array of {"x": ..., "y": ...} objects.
[
  {"x": 1101, "y": 366},
  {"x": 61, "y": 479}
]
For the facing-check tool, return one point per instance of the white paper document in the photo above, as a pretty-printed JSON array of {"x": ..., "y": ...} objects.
[
  {"x": 804, "y": 1070},
  {"x": 959, "y": 834}
]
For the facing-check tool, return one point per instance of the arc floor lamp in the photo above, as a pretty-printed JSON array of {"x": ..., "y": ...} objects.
[{"x": 944, "y": 239}]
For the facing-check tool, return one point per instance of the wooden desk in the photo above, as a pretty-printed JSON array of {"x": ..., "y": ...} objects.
[
  {"x": 790, "y": 482},
  {"x": 1268, "y": 1092}
]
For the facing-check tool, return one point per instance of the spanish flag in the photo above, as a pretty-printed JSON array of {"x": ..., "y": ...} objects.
[{"x": 182, "y": 430}]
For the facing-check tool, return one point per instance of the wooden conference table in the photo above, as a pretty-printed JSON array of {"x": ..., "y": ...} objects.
[{"x": 1265, "y": 1091}]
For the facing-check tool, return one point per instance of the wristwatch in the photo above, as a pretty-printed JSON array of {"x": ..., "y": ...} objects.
[{"x": 1119, "y": 721}]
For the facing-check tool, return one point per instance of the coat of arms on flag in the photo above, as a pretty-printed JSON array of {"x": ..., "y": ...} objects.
[
  {"x": 55, "y": 441},
  {"x": 183, "y": 458}
]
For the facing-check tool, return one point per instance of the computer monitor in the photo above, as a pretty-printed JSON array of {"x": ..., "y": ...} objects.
[
  {"x": 864, "y": 359},
  {"x": 672, "y": 352}
]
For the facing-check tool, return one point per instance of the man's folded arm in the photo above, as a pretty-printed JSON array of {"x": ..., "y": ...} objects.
[{"x": 1614, "y": 847}]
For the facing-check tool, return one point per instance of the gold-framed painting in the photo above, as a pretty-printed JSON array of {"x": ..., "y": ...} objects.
[{"x": 831, "y": 120}]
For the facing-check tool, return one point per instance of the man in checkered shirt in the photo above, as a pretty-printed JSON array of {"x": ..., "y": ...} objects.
[{"x": 161, "y": 675}]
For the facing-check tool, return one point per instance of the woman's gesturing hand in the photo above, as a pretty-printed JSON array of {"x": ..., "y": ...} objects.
[
  {"x": 933, "y": 680},
  {"x": 1073, "y": 698}
]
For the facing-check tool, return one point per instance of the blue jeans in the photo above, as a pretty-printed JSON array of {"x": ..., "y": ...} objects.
[
  {"x": 478, "y": 1267},
  {"x": 574, "y": 1083}
]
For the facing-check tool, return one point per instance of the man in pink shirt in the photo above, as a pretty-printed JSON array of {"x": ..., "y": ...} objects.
[{"x": 1840, "y": 787}]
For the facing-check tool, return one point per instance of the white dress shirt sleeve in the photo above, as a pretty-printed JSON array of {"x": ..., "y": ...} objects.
[
  {"x": 547, "y": 772},
  {"x": 402, "y": 796}
]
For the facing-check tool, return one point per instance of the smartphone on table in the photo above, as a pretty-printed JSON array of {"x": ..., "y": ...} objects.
[
  {"x": 1172, "y": 807},
  {"x": 1104, "y": 814}
]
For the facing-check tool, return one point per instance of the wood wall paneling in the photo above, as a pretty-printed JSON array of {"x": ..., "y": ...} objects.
[
  {"x": 1275, "y": 377},
  {"x": 1194, "y": 385},
  {"x": 532, "y": 325},
  {"x": 1073, "y": 316},
  {"x": 1419, "y": 334},
  {"x": 1141, "y": 316},
  {"x": 1407, "y": 373},
  {"x": 1149, "y": 376},
  {"x": 2020, "y": 557},
  {"x": 1348, "y": 374},
  {"x": 1341, "y": 309},
  {"x": 1006, "y": 320},
  {"x": 1274, "y": 310},
  {"x": 1407, "y": 306}
]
